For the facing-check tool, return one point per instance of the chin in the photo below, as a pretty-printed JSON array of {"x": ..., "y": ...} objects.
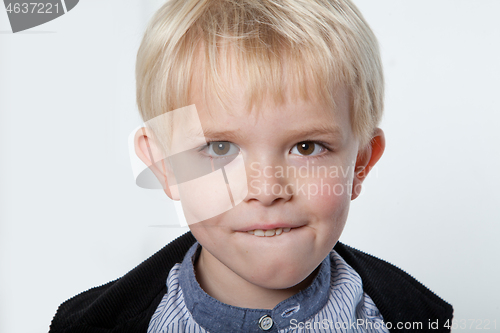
[{"x": 278, "y": 278}]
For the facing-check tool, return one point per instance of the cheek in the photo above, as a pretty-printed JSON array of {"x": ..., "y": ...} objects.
[
  {"x": 329, "y": 197},
  {"x": 204, "y": 197},
  {"x": 208, "y": 232}
]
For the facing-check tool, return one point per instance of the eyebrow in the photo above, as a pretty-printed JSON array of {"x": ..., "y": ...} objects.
[
  {"x": 226, "y": 135},
  {"x": 334, "y": 131},
  {"x": 213, "y": 134}
]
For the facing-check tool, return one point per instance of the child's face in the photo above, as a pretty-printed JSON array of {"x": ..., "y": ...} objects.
[{"x": 299, "y": 159}]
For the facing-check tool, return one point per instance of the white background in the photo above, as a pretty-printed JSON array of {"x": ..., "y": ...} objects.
[{"x": 72, "y": 218}]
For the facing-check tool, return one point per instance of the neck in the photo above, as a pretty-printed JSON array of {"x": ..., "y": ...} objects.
[{"x": 218, "y": 281}]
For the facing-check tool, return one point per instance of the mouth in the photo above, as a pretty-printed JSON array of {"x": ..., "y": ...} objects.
[{"x": 269, "y": 232}]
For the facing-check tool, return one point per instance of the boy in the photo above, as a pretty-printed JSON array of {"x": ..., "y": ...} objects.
[{"x": 271, "y": 128}]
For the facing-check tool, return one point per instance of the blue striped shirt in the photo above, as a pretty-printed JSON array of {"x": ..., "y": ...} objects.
[{"x": 334, "y": 302}]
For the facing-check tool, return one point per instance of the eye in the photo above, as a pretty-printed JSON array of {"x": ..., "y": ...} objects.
[
  {"x": 221, "y": 149},
  {"x": 307, "y": 148}
]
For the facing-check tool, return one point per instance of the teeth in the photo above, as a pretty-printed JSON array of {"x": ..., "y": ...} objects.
[
  {"x": 269, "y": 232},
  {"x": 259, "y": 233}
]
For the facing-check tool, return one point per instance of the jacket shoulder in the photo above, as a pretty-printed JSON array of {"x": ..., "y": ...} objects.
[
  {"x": 126, "y": 304},
  {"x": 398, "y": 296}
]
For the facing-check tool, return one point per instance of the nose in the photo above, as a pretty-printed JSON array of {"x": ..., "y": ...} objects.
[{"x": 267, "y": 183}]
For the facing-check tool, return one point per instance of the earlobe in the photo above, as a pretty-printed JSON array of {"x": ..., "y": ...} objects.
[
  {"x": 366, "y": 160},
  {"x": 149, "y": 154}
]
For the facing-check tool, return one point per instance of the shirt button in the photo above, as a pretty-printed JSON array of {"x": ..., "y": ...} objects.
[{"x": 265, "y": 323}]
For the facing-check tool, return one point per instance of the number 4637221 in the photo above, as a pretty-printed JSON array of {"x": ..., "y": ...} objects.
[{"x": 33, "y": 7}]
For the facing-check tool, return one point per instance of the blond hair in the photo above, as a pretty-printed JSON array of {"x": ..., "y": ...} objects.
[{"x": 326, "y": 42}]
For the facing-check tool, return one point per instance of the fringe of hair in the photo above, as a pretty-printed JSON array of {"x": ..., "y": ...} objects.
[{"x": 317, "y": 45}]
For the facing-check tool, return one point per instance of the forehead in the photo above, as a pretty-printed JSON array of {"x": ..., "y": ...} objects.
[
  {"x": 292, "y": 115},
  {"x": 238, "y": 101}
]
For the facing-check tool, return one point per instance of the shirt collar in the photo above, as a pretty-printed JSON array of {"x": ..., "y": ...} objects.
[{"x": 219, "y": 317}]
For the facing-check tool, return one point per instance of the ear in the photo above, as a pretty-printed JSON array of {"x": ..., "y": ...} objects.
[
  {"x": 147, "y": 150},
  {"x": 366, "y": 160}
]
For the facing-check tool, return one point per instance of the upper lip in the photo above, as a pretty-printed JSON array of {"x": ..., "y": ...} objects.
[{"x": 267, "y": 226}]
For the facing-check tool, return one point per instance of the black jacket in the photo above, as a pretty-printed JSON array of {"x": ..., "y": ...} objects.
[{"x": 128, "y": 303}]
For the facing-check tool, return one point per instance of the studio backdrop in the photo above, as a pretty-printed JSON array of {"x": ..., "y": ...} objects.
[{"x": 72, "y": 216}]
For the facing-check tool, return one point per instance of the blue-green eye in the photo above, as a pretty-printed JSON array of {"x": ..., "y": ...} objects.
[
  {"x": 307, "y": 148},
  {"x": 222, "y": 149}
]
